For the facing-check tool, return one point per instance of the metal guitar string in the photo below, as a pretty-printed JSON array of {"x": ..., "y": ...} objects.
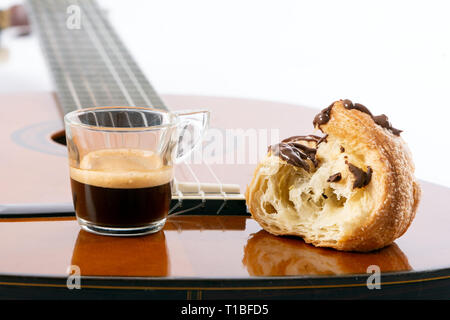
[
  {"x": 123, "y": 88},
  {"x": 200, "y": 191},
  {"x": 130, "y": 73},
  {"x": 178, "y": 193},
  {"x": 53, "y": 33},
  {"x": 101, "y": 51},
  {"x": 115, "y": 49},
  {"x": 57, "y": 56},
  {"x": 52, "y": 45},
  {"x": 105, "y": 58},
  {"x": 223, "y": 193},
  {"x": 80, "y": 71}
]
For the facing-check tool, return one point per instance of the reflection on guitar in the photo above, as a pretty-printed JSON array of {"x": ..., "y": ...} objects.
[
  {"x": 97, "y": 255},
  {"x": 269, "y": 255}
]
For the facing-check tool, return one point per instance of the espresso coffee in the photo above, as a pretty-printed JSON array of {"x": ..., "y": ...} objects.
[
  {"x": 111, "y": 207},
  {"x": 121, "y": 188}
]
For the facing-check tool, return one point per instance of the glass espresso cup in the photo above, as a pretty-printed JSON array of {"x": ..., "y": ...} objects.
[{"x": 121, "y": 162}]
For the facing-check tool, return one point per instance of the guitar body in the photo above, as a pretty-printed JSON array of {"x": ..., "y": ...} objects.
[{"x": 181, "y": 261}]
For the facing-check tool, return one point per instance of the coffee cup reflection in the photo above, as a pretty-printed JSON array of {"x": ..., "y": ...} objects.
[
  {"x": 98, "y": 255},
  {"x": 269, "y": 255}
]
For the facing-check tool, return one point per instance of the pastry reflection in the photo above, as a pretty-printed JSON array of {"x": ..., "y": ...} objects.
[
  {"x": 97, "y": 255},
  {"x": 269, "y": 255}
]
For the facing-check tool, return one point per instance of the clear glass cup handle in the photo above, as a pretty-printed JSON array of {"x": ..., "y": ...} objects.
[{"x": 192, "y": 125}]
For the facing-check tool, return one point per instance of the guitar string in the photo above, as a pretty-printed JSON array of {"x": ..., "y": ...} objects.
[
  {"x": 49, "y": 40},
  {"x": 51, "y": 15},
  {"x": 151, "y": 97},
  {"x": 110, "y": 67},
  {"x": 71, "y": 43},
  {"x": 124, "y": 63},
  {"x": 105, "y": 58},
  {"x": 118, "y": 54},
  {"x": 131, "y": 74},
  {"x": 73, "y": 59},
  {"x": 223, "y": 193},
  {"x": 113, "y": 46},
  {"x": 102, "y": 54},
  {"x": 76, "y": 36},
  {"x": 48, "y": 35},
  {"x": 127, "y": 96}
]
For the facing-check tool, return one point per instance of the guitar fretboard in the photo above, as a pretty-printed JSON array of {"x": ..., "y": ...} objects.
[{"x": 89, "y": 63}]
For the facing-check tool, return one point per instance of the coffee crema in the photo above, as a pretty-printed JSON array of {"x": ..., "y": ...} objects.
[
  {"x": 121, "y": 187},
  {"x": 122, "y": 168}
]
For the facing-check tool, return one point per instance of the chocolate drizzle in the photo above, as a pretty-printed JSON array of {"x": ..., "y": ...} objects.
[
  {"x": 295, "y": 154},
  {"x": 362, "y": 178},
  {"x": 318, "y": 140},
  {"x": 323, "y": 117},
  {"x": 382, "y": 120},
  {"x": 324, "y": 138},
  {"x": 309, "y": 137},
  {"x": 335, "y": 177},
  {"x": 348, "y": 104}
]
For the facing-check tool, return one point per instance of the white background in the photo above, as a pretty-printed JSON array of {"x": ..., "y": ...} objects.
[{"x": 392, "y": 56}]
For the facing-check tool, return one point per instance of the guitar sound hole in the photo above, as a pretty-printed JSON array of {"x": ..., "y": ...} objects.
[{"x": 59, "y": 137}]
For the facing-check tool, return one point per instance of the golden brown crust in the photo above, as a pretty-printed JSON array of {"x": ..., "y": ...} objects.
[{"x": 393, "y": 190}]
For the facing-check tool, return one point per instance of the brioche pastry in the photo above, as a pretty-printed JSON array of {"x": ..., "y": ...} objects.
[{"x": 352, "y": 189}]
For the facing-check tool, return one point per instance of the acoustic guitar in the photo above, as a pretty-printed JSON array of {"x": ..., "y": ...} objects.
[{"x": 212, "y": 249}]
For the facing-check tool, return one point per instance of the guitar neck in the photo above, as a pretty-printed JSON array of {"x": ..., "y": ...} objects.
[{"x": 89, "y": 63}]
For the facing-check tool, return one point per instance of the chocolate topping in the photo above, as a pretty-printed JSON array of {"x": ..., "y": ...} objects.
[
  {"x": 324, "y": 138},
  {"x": 309, "y": 137},
  {"x": 295, "y": 154},
  {"x": 348, "y": 104},
  {"x": 323, "y": 117},
  {"x": 310, "y": 152},
  {"x": 335, "y": 177},
  {"x": 342, "y": 149},
  {"x": 362, "y": 178},
  {"x": 382, "y": 120}
]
